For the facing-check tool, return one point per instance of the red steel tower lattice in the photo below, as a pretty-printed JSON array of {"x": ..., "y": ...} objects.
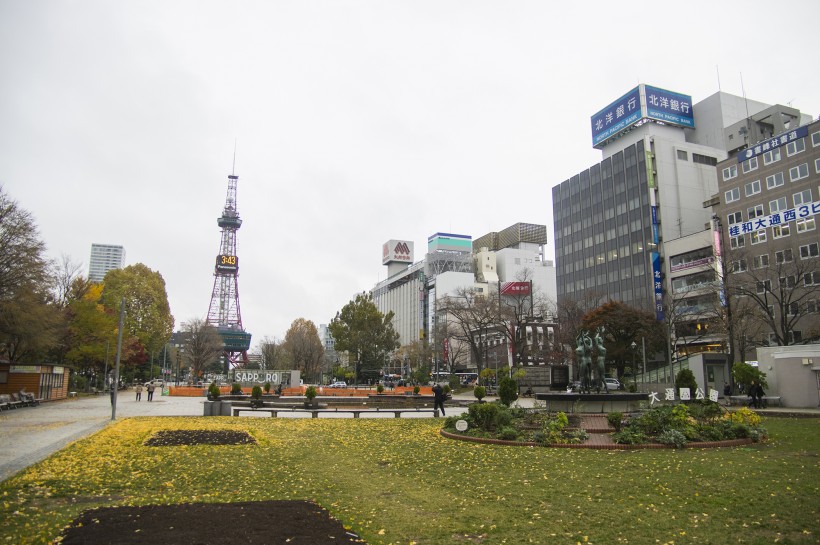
[{"x": 224, "y": 312}]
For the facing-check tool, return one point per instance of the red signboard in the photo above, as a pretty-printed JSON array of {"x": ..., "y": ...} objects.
[{"x": 515, "y": 288}]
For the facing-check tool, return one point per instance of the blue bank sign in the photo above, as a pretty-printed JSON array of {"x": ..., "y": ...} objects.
[{"x": 641, "y": 103}]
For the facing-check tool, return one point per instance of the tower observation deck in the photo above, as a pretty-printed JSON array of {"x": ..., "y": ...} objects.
[{"x": 224, "y": 312}]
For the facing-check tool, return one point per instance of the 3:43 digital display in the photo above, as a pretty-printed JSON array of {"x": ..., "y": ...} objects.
[{"x": 227, "y": 263}]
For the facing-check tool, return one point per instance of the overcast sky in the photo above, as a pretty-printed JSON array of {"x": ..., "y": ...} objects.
[{"x": 355, "y": 123}]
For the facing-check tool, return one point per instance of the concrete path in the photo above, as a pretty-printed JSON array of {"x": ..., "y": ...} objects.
[{"x": 30, "y": 434}]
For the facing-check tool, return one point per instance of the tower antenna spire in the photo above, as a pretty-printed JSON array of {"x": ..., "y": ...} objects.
[
  {"x": 233, "y": 166},
  {"x": 224, "y": 312}
]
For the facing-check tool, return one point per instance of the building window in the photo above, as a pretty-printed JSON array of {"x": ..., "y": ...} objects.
[
  {"x": 805, "y": 224},
  {"x": 817, "y": 165},
  {"x": 755, "y": 211},
  {"x": 775, "y": 180},
  {"x": 703, "y": 159},
  {"x": 812, "y": 278},
  {"x": 795, "y": 147},
  {"x": 815, "y": 139},
  {"x": 811, "y": 304},
  {"x": 750, "y": 165},
  {"x": 772, "y": 156},
  {"x": 733, "y": 195},
  {"x": 792, "y": 309},
  {"x": 799, "y": 172},
  {"x": 808, "y": 251},
  {"x": 777, "y": 205},
  {"x": 788, "y": 281},
  {"x": 739, "y": 266},
  {"x": 729, "y": 172},
  {"x": 753, "y": 188},
  {"x": 763, "y": 286},
  {"x": 735, "y": 217},
  {"x": 783, "y": 256},
  {"x": 758, "y": 236},
  {"x": 780, "y": 231},
  {"x": 804, "y": 197},
  {"x": 682, "y": 155},
  {"x": 737, "y": 242},
  {"x": 761, "y": 261}
]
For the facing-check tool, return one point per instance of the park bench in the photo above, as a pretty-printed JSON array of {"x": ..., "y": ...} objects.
[
  {"x": 746, "y": 400},
  {"x": 11, "y": 401},
  {"x": 316, "y": 412}
]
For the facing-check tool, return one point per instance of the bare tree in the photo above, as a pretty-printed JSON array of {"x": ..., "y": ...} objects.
[
  {"x": 273, "y": 355},
  {"x": 305, "y": 348},
  {"x": 785, "y": 293},
  {"x": 202, "y": 347},
  {"x": 474, "y": 316}
]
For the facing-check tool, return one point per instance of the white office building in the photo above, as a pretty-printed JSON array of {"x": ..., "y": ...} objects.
[{"x": 104, "y": 257}]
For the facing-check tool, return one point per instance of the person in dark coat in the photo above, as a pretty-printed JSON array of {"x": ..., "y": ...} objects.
[
  {"x": 438, "y": 392},
  {"x": 752, "y": 393},
  {"x": 759, "y": 393}
]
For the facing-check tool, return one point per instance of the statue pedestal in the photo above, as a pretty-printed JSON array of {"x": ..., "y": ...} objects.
[{"x": 593, "y": 403}]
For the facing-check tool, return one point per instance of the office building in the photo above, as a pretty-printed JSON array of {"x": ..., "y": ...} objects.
[
  {"x": 766, "y": 213},
  {"x": 104, "y": 257}
]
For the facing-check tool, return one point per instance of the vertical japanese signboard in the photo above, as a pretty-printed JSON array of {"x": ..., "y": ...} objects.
[{"x": 657, "y": 282}]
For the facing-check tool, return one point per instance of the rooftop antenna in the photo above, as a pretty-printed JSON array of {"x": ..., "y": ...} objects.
[
  {"x": 717, "y": 69},
  {"x": 233, "y": 166}
]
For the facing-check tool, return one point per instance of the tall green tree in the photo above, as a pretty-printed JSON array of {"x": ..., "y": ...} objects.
[
  {"x": 23, "y": 264},
  {"x": 624, "y": 325},
  {"x": 365, "y": 333},
  {"x": 148, "y": 315},
  {"x": 29, "y": 319},
  {"x": 92, "y": 332}
]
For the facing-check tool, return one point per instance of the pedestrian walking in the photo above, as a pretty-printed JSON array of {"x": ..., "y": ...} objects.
[
  {"x": 150, "y": 391},
  {"x": 440, "y": 396},
  {"x": 138, "y": 390}
]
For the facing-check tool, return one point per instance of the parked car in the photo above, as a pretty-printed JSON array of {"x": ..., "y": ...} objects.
[
  {"x": 612, "y": 383},
  {"x": 158, "y": 383},
  {"x": 339, "y": 384}
]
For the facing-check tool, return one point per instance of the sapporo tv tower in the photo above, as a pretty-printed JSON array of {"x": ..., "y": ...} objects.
[{"x": 223, "y": 312}]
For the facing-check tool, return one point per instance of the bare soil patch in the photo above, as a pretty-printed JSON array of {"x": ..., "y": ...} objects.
[
  {"x": 172, "y": 438},
  {"x": 284, "y": 522}
]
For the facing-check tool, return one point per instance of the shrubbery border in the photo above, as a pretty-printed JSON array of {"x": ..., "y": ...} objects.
[{"x": 616, "y": 446}]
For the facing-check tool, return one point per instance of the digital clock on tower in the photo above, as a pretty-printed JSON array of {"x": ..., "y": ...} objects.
[{"x": 227, "y": 263}]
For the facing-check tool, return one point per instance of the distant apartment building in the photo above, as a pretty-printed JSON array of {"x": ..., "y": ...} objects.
[{"x": 104, "y": 257}]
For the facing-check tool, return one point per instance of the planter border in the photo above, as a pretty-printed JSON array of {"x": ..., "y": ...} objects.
[{"x": 616, "y": 446}]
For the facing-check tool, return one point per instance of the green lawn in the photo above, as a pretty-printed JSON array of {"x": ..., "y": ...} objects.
[{"x": 398, "y": 481}]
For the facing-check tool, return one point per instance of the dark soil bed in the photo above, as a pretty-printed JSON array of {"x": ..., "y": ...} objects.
[
  {"x": 250, "y": 523},
  {"x": 173, "y": 438}
]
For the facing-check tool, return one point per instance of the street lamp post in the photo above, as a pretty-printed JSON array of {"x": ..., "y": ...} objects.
[{"x": 633, "y": 346}]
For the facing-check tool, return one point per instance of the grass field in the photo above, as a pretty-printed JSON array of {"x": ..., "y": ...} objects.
[{"x": 397, "y": 481}]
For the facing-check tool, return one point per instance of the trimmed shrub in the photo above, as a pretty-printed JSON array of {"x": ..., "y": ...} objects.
[
  {"x": 213, "y": 391},
  {"x": 479, "y": 392},
  {"x": 686, "y": 379},
  {"x": 256, "y": 392},
  {"x": 615, "y": 420},
  {"x": 489, "y": 416},
  {"x": 507, "y": 391},
  {"x": 672, "y": 437},
  {"x": 310, "y": 393},
  {"x": 236, "y": 388}
]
